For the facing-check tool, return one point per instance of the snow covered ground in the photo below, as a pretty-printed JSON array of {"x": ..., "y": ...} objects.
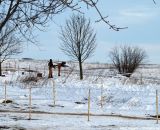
[
  {"x": 122, "y": 98},
  {"x": 58, "y": 122}
]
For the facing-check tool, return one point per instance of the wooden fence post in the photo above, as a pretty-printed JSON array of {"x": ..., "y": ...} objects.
[
  {"x": 44, "y": 71},
  {"x": 157, "y": 105},
  {"x": 29, "y": 69},
  {"x": 54, "y": 93},
  {"x": 18, "y": 69},
  {"x": 141, "y": 79},
  {"x": 9, "y": 66},
  {"x": 30, "y": 103},
  {"x": 89, "y": 94},
  {"x": 6, "y": 67},
  {"x": 101, "y": 95},
  {"x": 5, "y": 92},
  {"x": 15, "y": 66}
]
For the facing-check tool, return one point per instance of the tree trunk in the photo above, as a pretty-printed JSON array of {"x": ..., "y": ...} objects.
[{"x": 81, "y": 70}]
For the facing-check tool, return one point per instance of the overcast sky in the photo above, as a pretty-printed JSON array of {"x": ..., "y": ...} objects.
[{"x": 141, "y": 17}]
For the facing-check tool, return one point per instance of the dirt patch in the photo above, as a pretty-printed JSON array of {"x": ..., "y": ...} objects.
[
  {"x": 7, "y": 101},
  {"x": 79, "y": 102},
  {"x": 155, "y": 116},
  {"x": 13, "y": 128},
  {"x": 108, "y": 127},
  {"x": 33, "y": 107},
  {"x": 55, "y": 106},
  {"x": 4, "y": 127},
  {"x": 15, "y": 118}
]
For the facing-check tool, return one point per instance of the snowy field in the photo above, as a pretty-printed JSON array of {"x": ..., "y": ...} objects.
[{"x": 117, "y": 102}]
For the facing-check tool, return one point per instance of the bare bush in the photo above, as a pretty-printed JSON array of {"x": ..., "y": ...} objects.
[
  {"x": 127, "y": 59},
  {"x": 30, "y": 79}
]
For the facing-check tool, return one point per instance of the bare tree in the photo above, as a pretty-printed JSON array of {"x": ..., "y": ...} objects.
[
  {"x": 9, "y": 45},
  {"x": 78, "y": 39},
  {"x": 127, "y": 59}
]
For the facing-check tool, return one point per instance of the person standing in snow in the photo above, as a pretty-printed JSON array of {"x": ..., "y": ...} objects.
[
  {"x": 50, "y": 67},
  {"x": 63, "y": 64}
]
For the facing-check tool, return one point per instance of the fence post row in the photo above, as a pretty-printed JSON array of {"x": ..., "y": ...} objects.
[{"x": 89, "y": 97}]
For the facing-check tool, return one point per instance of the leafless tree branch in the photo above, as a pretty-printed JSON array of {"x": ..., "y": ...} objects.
[
  {"x": 154, "y": 1},
  {"x": 102, "y": 18},
  {"x": 30, "y": 14}
]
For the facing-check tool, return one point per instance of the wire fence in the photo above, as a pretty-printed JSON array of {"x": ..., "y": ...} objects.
[
  {"x": 75, "y": 99},
  {"x": 72, "y": 97}
]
